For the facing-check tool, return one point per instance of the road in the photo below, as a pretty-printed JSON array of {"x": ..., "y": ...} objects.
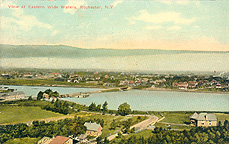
[{"x": 139, "y": 126}]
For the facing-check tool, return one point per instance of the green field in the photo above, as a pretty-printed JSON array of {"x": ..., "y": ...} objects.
[
  {"x": 183, "y": 118},
  {"x": 25, "y": 140},
  {"x": 44, "y": 82},
  {"x": 15, "y": 114},
  {"x": 176, "y": 117}
]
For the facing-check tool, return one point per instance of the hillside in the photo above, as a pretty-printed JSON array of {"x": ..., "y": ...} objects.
[{"x": 61, "y": 51}]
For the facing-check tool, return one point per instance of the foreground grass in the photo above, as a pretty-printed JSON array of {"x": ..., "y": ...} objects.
[
  {"x": 15, "y": 114},
  {"x": 25, "y": 140}
]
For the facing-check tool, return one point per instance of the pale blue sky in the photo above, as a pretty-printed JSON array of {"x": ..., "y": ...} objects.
[{"x": 131, "y": 24}]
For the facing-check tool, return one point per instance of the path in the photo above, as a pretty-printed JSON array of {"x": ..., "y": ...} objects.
[
  {"x": 173, "y": 124},
  {"x": 139, "y": 126}
]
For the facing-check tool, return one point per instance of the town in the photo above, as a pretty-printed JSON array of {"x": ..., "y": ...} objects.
[{"x": 214, "y": 82}]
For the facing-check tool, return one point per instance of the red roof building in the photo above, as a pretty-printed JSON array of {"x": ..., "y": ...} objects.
[{"x": 61, "y": 140}]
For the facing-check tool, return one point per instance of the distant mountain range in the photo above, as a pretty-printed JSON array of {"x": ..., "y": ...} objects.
[{"x": 62, "y": 51}]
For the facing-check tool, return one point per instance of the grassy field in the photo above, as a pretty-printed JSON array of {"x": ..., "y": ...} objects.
[
  {"x": 14, "y": 114},
  {"x": 111, "y": 90},
  {"x": 44, "y": 82},
  {"x": 177, "y": 118},
  {"x": 25, "y": 140}
]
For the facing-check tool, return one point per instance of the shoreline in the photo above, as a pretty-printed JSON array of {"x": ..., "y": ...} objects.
[
  {"x": 192, "y": 91},
  {"x": 147, "y": 89}
]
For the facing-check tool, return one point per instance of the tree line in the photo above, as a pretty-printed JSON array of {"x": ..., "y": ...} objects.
[{"x": 123, "y": 109}]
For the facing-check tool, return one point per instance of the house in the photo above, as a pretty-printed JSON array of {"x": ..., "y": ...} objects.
[
  {"x": 109, "y": 84},
  {"x": 28, "y": 75},
  {"x": 203, "y": 120},
  {"x": 183, "y": 85},
  {"x": 175, "y": 84},
  {"x": 56, "y": 140},
  {"x": 192, "y": 84},
  {"x": 218, "y": 86},
  {"x": 82, "y": 139},
  {"x": 132, "y": 83},
  {"x": 125, "y": 82},
  {"x": 93, "y": 129}
]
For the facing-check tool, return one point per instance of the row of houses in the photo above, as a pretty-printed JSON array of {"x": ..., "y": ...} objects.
[{"x": 194, "y": 84}]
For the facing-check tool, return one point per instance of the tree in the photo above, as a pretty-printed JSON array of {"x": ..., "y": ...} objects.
[
  {"x": 106, "y": 141},
  {"x": 92, "y": 107},
  {"x": 98, "y": 107},
  {"x": 98, "y": 140},
  {"x": 105, "y": 107},
  {"x": 30, "y": 98},
  {"x": 124, "y": 109},
  {"x": 40, "y": 95}
]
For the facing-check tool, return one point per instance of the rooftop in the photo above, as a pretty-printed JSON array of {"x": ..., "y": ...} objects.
[
  {"x": 59, "y": 140},
  {"x": 92, "y": 126},
  {"x": 204, "y": 116}
]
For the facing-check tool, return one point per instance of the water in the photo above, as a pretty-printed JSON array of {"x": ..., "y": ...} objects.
[
  {"x": 144, "y": 100},
  {"x": 33, "y": 90},
  {"x": 160, "y": 100}
]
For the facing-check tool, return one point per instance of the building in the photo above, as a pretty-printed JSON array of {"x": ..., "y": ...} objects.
[
  {"x": 218, "y": 86},
  {"x": 109, "y": 84},
  {"x": 82, "y": 139},
  {"x": 56, "y": 140},
  {"x": 93, "y": 129},
  {"x": 203, "y": 120}
]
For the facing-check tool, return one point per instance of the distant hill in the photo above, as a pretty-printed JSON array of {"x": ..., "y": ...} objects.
[{"x": 22, "y": 51}]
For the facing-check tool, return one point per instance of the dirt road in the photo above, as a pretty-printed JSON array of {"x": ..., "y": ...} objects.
[{"x": 139, "y": 126}]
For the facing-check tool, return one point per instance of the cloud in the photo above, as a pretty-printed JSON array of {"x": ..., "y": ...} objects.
[
  {"x": 5, "y": 4},
  {"x": 179, "y": 2},
  {"x": 115, "y": 3},
  {"x": 153, "y": 27},
  {"x": 162, "y": 17},
  {"x": 20, "y": 20},
  {"x": 76, "y": 3},
  {"x": 174, "y": 28},
  {"x": 55, "y": 32}
]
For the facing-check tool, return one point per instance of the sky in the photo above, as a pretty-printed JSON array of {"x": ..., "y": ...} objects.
[{"x": 130, "y": 24}]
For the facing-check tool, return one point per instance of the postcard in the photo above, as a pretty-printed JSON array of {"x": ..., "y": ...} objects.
[{"x": 114, "y": 71}]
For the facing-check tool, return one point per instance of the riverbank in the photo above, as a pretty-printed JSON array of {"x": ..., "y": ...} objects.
[
  {"x": 188, "y": 90},
  {"x": 116, "y": 89}
]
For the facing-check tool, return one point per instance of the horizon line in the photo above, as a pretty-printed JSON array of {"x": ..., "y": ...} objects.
[{"x": 111, "y": 48}]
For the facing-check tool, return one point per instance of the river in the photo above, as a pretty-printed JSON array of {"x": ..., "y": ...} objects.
[{"x": 143, "y": 99}]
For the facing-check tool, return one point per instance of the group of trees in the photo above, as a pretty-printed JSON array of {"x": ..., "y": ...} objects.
[
  {"x": 98, "y": 108},
  {"x": 49, "y": 92},
  {"x": 211, "y": 135},
  {"x": 58, "y": 106},
  {"x": 123, "y": 109},
  {"x": 63, "y": 127}
]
